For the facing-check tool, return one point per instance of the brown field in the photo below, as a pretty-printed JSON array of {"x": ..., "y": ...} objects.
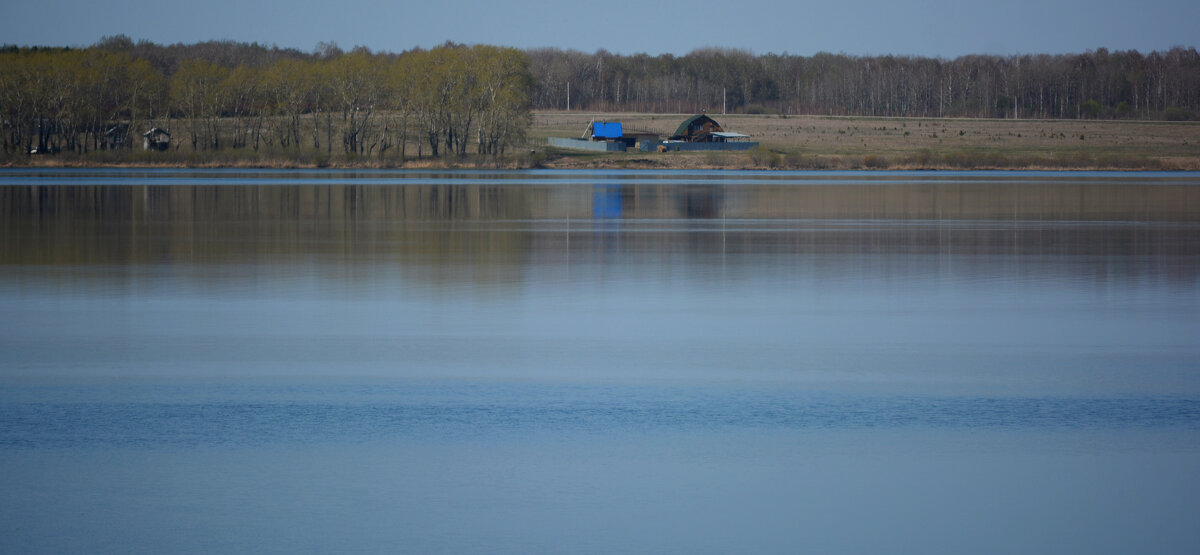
[
  {"x": 792, "y": 142},
  {"x": 815, "y": 142}
]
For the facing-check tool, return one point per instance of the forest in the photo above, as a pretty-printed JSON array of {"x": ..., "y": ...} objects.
[
  {"x": 455, "y": 100},
  {"x": 1098, "y": 84},
  {"x": 448, "y": 100}
]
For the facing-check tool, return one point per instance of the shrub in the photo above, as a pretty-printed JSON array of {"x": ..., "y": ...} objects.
[
  {"x": 761, "y": 157},
  {"x": 922, "y": 158},
  {"x": 317, "y": 157},
  {"x": 1074, "y": 159},
  {"x": 717, "y": 159},
  {"x": 758, "y": 109},
  {"x": 1175, "y": 113},
  {"x": 807, "y": 162},
  {"x": 875, "y": 162},
  {"x": 532, "y": 158}
]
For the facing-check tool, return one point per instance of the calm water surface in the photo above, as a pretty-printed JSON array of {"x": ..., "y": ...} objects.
[{"x": 566, "y": 361}]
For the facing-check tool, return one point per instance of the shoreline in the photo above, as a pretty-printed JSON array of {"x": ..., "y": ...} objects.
[
  {"x": 807, "y": 142},
  {"x": 665, "y": 162}
]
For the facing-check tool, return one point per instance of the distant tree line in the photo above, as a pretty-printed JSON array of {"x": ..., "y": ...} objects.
[
  {"x": 1095, "y": 84},
  {"x": 456, "y": 99},
  {"x": 452, "y": 99}
]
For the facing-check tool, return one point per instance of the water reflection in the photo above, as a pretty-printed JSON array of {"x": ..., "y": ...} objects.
[
  {"x": 1098, "y": 230},
  {"x": 507, "y": 361},
  {"x": 607, "y": 201}
]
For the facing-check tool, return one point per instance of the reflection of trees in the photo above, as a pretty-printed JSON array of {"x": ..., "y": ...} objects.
[
  {"x": 1098, "y": 252},
  {"x": 975, "y": 201},
  {"x": 906, "y": 201},
  {"x": 132, "y": 224},
  {"x": 495, "y": 230}
]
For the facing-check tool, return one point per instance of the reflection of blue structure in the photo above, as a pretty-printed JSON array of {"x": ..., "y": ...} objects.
[{"x": 606, "y": 201}]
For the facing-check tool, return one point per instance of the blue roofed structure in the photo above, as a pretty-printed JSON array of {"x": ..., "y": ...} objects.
[
  {"x": 606, "y": 130},
  {"x": 606, "y": 136}
]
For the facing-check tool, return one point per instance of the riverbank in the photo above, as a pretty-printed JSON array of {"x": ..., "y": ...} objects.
[
  {"x": 786, "y": 142},
  {"x": 866, "y": 143},
  {"x": 756, "y": 159},
  {"x": 766, "y": 159}
]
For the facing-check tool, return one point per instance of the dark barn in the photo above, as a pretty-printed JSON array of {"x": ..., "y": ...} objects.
[{"x": 698, "y": 129}]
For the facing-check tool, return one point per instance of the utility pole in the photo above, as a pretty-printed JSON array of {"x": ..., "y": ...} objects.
[
  {"x": 568, "y": 96},
  {"x": 723, "y": 101}
]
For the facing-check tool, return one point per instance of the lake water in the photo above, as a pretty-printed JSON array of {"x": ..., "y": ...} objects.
[{"x": 607, "y": 361}]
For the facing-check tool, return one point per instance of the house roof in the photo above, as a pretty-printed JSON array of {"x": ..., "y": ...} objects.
[
  {"x": 154, "y": 131},
  {"x": 681, "y": 131},
  {"x": 606, "y": 130}
]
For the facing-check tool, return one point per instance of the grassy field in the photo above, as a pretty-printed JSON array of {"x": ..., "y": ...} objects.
[
  {"x": 792, "y": 142},
  {"x": 820, "y": 142}
]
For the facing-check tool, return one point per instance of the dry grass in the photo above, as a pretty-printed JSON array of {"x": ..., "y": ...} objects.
[
  {"x": 819, "y": 142},
  {"x": 793, "y": 142}
]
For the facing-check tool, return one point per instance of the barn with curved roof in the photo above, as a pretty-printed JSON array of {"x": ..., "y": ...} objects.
[{"x": 697, "y": 129}]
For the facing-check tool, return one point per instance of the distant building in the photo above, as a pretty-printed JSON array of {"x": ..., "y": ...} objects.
[
  {"x": 702, "y": 129},
  {"x": 115, "y": 137},
  {"x": 156, "y": 139},
  {"x": 603, "y": 131},
  {"x": 698, "y": 132},
  {"x": 701, "y": 132},
  {"x": 616, "y": 132},
  {"x": 605, "y": 136}
]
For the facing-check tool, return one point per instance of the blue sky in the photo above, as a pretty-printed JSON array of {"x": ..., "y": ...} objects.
[{"x": 904, "y": 27}]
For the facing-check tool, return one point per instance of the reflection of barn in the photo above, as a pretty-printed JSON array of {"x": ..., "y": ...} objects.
[
  {"x": 702, "y": 129},
  {"x": 701, "y": 202}
]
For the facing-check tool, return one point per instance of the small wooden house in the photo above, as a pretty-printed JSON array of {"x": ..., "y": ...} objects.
[
  {"x": 697, "y": 129},
  {"x": 156, "y": 139},
  {"x": 702, "y": 129},
  {"x": 115, "y": 137},
  {"x": 701, "y": 132}
]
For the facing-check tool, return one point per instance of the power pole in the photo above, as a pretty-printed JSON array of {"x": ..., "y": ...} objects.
[{"x": 568, "y": 96}]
